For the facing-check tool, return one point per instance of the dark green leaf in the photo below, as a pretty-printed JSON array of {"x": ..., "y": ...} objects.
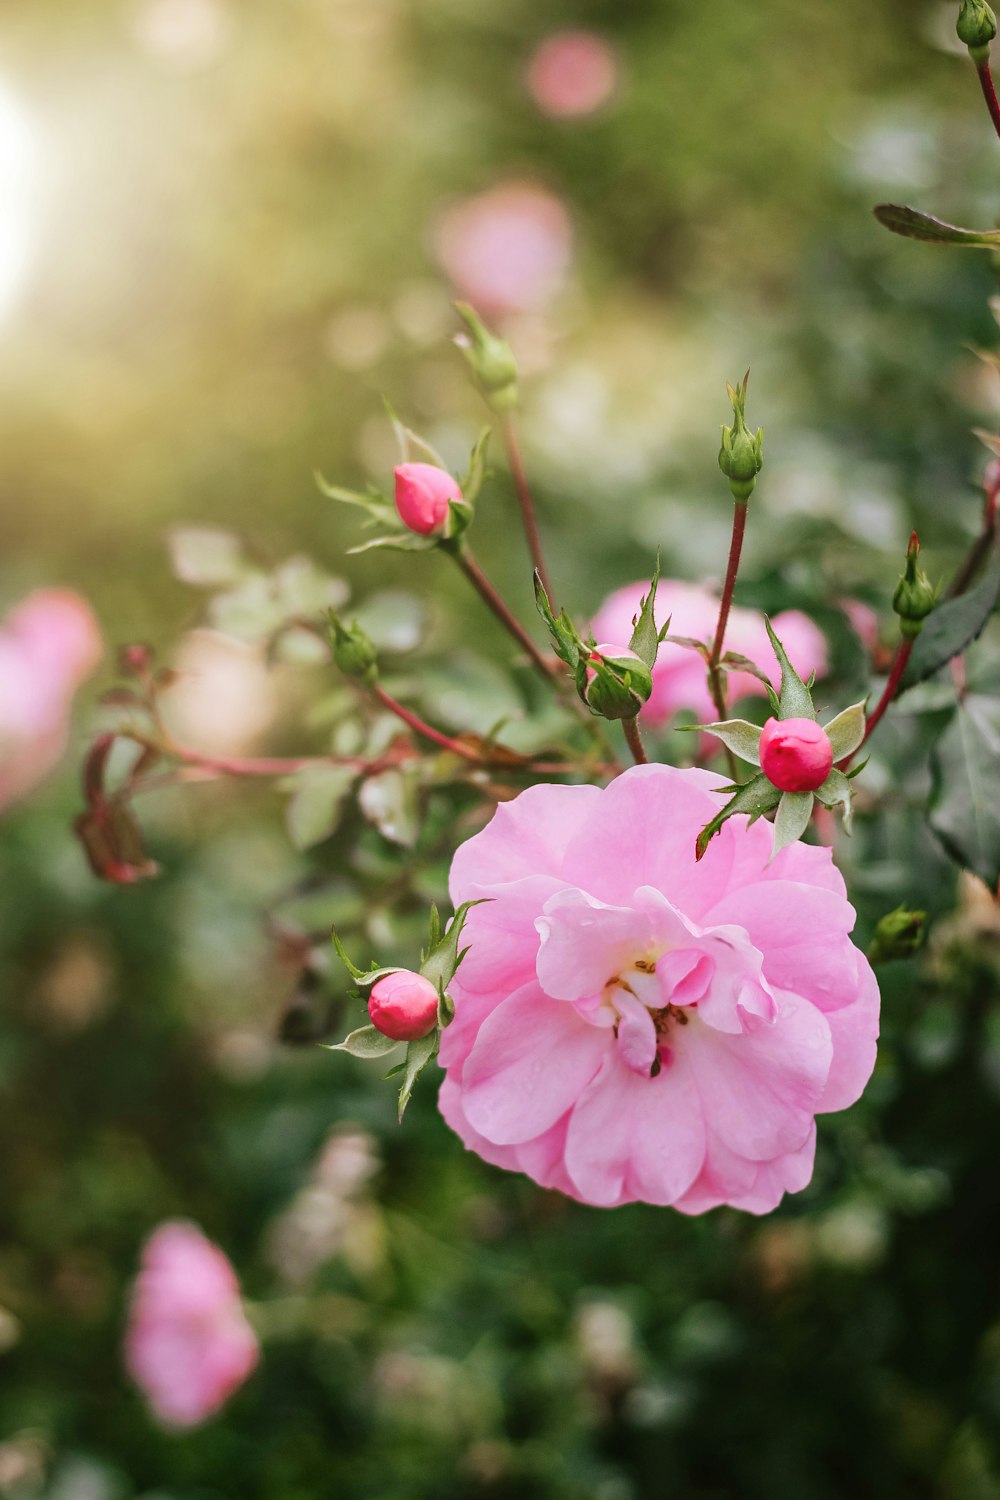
[
  {"x": 965, "y": 799},
  {"x": 951, "y": 627}
]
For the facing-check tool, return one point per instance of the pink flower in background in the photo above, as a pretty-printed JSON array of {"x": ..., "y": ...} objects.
[
  {"x": 633, "y": 1025},
  {"x": 49, "y": 645},
  {"x": 508, "y": 249},
  {"x": 679, "y": 674},
  {"x": 188, "y": 1344},
  {"x": 572, "y": 73}
]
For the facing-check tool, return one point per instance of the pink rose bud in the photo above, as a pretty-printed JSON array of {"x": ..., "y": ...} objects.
[
  {"x": 795, "y": 754},
  {"x": 404, "y": 1006},
  {"x": 423, "y": 496}
]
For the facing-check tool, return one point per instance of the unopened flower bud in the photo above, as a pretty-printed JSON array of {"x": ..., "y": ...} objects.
[
  {"x": 353, "y": 651},
  {"x": 622, "y": 683},
  {"x": 403, "y": 1006},
  {"x": 741, "y": 456},
  {"x": 897, "y": 935},
  {"x": 795, "y": 754},
  {"x": 915, "y": 595},
  {"x": 423, "y": 497},
  {"x": 977, "y": 26},
  {"x": 491, "y": 358}
]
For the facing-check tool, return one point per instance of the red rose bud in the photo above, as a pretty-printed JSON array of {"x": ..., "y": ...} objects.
[
  {"x": 423, "y": 497},
  {"x": 795, "y": 754},
  {"x": 403, "y": 1005}
]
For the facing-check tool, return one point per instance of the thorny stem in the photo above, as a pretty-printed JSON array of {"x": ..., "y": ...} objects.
[
  {"x": 508, "y": 620},
  {"x": 716, "y": 682},
  {"x": 638, "y": 749},
  {"x": 989, "y": 92},
  {"x": 524, "y": 499},
  {"x": 888, "y": 693}
]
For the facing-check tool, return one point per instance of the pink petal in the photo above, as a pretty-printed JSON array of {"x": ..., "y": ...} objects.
[
  {"x": 636, "y": 1035},
  {"x": 585, "y": 943},
  {"x": 803, "y": 933},
  {"x": 854, "y": 1028},
  {"x": 755, "y": 1187},
  {"x": 533, "y": 1057},
  {"x": 528, "y": 836}
]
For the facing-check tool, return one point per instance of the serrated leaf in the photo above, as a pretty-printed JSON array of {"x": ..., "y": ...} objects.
[
  {"x": 390, "y": 801},
  {"x": 206, "y": 556},
  {"x": 418, "y": 1055},
  {"x": 738, "y": 735},
  {"x": 318, "y": 796},
  {"x": 755, "y": 798},
  {"x": 965, "y": 797},
  {"x": 950, "y": 628},
  {"x": 847, "y": 731},
  {"x": 366, "y": 1042},
  {"x": 792, "y": 818},
  {"x": 915, "y": 225},
  {"x": 794, "y": 698},
  {"x": 836, "y": 791}
]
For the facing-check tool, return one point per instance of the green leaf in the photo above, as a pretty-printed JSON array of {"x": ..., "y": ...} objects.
[
  {"x": 390, "y": 801},
  {"x": 476, "y": 472},
  {"x": 738, "y": 735},
  {"x": 952, "y": 626},
  {"x": 318, "y": 796},
  {"x": 645, "y": 637},
  {"x": 206, "y": 556},
  {"x": 846, "y": 731},
  {"x": 792, "y": 819},
  {"x": 836, "y": 791},
  {"x": 965, "y": 797},
  {"x": 794, "y": 698},
  {"x": 366, "y": 1042},
  {"x": 418, "y": 1055},
  {"x": 755, "y": 797},
  {"x": 917, "y": 226}
]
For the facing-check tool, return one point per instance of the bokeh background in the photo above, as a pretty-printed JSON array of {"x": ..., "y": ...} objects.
[{"x": 226, "y": 233}]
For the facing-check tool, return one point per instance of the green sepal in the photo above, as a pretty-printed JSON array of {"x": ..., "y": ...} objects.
[
  {"x": 792, "y": 819},
  {"x": 837, "y": 791},
  {"x": 738, "y": 735},
  {"x": 755, "y": 797},
  {"x": 646, "y": 638},
  {"x": 566, "y": 639},
  {"x": 412, "y": 447},
  {"x": 847, "y": 731},
  {"x": 617, "y": 687},
  {"x": 367, "y": 1042},
  {"x": 477, "y": 470},
  {"x": 402, "y": 540},
  {"x": 491, "y": 359},
  {"x": 418, "y": 1055},
  {"x": 914, "y": 225},
  {"x": 353, "y": 651},
  {"x": 440, "y": 962},
  {"x": 380, "y": 510},
  {"x": 795, "y": 699},
  {"x": 360, "y": 976}
]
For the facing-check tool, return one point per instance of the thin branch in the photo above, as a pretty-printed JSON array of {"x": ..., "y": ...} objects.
[
  {"x": 989, "y": 92},
  {"x": 524, "y": 499},
  {"x": 474, "y": 573},
  {"x": 716, "y": 680},
  {"x": 638, "y": 749},
  {"x": 888, "y": 693}
]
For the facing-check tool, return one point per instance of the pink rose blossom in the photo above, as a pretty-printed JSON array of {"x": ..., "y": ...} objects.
[
  {"x": 633, "y": 1025},
  {"x": 188, "y": 1344},
  {"x": 423, "y": 497},
  {"x": 795, "y": 754},
  {"x": 508, "y": 249},
  {"x": 49, "y": 645},
  {"x": 679, "y": 674},
  {"x": 572, "y": 73},
  {"x": 403, "y": 1005}
]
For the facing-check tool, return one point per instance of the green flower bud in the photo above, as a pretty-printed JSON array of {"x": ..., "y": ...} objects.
[
  {"x": 491, "y": 358},
  {"x": 353, "y": 652},
  {"x": 897, "y": 935},
  {"x": 620, "y": 682},
  {"x": 977, "y": 26},
  {"x": 915, "y": 595},
  {"x": 741, "y": 455}
]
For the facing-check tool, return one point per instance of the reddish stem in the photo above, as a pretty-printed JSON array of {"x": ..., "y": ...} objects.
[
  {"x": 414, "y": 722},
  {"x": 508, "y": 620},
  {"x": 980, "y": 549},
  {"x": 525, "y": 501},
  {"x": 638, "y": 749},
  {"x": 989, "y": 93},
  {"x": 715, "y": 678},
  {"x": 888, "y": 693}
]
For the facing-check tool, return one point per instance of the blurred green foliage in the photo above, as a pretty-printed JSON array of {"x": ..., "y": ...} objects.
[{"x": 234, "y": 262}]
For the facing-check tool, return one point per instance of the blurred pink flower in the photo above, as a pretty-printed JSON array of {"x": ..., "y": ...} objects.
[
  {"x": 508, "y": 249},
  {"x": 679, "y": 674},
  {"x": 864, "y": 621},
  {"x": 188, "y": 1345},
  {"x": 633, "y": 1025},
  {"x": 572, "y": 73},
  {"x": 49, "y": 645}
]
